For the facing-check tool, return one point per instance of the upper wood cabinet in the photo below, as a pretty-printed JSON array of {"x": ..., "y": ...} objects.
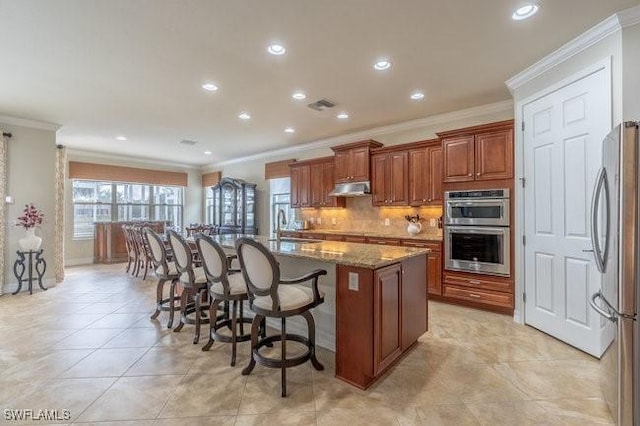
[
  {"x": 389, "y": 178},
  {"x": 311, "y": 183},
  {"x": 478, "y": 153},
  {"x": 425, "y": 175},
  {"x": 352, "y": 161}
]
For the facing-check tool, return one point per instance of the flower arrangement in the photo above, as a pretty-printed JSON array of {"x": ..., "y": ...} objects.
[
  {"x": 30, "y": 218},
  {"x": 413, "y": 219}
]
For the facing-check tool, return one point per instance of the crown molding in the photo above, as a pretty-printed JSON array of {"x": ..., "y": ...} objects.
[
  {"x": 600, "y": 31},
  {"x": 140, "y": 161},
  {"x": 24, "y": 122},
  {"x": 506, "y": 105}
]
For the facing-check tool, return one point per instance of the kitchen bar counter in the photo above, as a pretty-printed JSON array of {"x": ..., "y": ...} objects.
[
  {"x": 359, "y": 255},
  {"x": 372, "y": 234}
]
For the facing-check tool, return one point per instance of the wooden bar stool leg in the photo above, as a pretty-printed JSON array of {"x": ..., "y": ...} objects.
[
  {"x": 172, "y": 303},
  {"x": 311, "y": 324},
  {"x": 283, "y": 355},
  {"x": 213, "y": 309},
  {"x": 183, "y": 309},
  {"x": 198, "y": 302},
  {"x": 255, "y": 330},
  {"x": 234, "y": 320},
  {"x": 159, "y": 291}
]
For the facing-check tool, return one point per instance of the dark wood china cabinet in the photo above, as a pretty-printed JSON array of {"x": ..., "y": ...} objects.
[{"x": 234, "y": 206}]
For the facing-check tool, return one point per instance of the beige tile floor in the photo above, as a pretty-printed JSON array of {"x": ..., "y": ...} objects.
[{"x": 89, "y": 346}]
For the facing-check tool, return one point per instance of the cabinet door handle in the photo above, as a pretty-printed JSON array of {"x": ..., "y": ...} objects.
[
  {"x": 474, "y": 282},
  {"x": 475, "y": 296},
  {"x": 429, "y": 200},
  {"x": 423, "y": 200},
  {"x": 470, "y": 174},
  {"x": 478, "y": 174}
]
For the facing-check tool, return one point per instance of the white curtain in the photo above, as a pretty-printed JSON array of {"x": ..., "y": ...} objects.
[
  {"x": 3, "y": 205},
  {"x": 61, "y": 166}
]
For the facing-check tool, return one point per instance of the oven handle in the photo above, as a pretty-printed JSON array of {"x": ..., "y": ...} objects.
[{"x": 488, "y": 230}]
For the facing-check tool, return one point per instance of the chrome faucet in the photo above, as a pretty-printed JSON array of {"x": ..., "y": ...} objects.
[{"x": 281, "y": 219}]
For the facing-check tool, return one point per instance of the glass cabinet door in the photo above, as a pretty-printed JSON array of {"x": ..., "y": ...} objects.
[
  {"x": 229, "y": 205},
  {"x": 251, "y": 207}
]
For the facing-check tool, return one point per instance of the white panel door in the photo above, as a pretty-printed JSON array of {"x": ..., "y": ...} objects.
[{"x": 562, "y": 154}]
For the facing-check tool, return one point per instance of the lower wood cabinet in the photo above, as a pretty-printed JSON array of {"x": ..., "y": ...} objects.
[
  {"x": 434, "y": 264},
  {"x": 479, "y": 291},
  {"x": 379, "y": 315}
]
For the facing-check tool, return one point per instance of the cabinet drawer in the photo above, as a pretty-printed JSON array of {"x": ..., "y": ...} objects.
[
  {"x": 422, "y": 244},
  {"x": 480, "y": 296},
  {"x": 355, "y": 239},
  {"x": 383, "y": 241},
  {"x": 481, "y": 282},
  {"x": 332, "y": 237}
]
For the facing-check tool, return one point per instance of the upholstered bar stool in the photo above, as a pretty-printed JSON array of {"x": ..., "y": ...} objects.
[
  {"x": 273, "y": 296},
  {"x": 225, "y": 286},
  {"x": 164, "y": 271},
  {"x": 194, "y": 282}
]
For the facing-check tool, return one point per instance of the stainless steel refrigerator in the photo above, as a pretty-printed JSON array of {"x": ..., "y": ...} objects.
[{"x": 615, "y": 235}]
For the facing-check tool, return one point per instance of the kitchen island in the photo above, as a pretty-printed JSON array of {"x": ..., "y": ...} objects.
[{"x": 375, "y": 300}]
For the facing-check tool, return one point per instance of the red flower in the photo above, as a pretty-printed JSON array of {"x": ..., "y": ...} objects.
[{"x": 30, "y": 217}]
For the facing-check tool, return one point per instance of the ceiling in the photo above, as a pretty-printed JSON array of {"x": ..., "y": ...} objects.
[{"x": 103, "y": 69}]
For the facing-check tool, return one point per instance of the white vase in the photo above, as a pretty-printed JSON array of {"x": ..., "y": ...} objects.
[
  {"x": 414, "y": 228},
  {"x": 30, "y": 241}
]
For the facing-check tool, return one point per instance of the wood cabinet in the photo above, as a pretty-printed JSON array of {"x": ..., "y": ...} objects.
[
  {"x": 478, "y": 153},
  {"x": 234, "y": 206},
  {"x": 352, "y": 161},
  {"x": 434, "y": 264},
  {"x": 311, "y": 183},
  {"x": 480, "y": 291},
  {"x": 389, "y": 178},
  {"x": 425, "y": 175},
  {"x": 379, "y": 315}
]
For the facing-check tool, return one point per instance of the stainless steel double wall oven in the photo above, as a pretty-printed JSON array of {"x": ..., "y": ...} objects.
[{"x": 477, "y": 231}]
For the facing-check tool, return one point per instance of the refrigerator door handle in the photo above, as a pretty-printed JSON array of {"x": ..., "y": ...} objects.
[
  {"x": 610, "y": 314},
  {"x": 601, "y": 183}
]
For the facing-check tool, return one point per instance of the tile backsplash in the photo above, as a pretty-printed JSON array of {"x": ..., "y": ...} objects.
[{"x": 360, "y": 216}]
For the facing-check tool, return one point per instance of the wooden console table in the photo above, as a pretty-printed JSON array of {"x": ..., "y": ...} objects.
[{"x": 19, "y": 268}]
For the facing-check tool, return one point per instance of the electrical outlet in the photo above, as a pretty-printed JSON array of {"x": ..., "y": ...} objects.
[
  {"x": 387, "y": 222},
  {"x": 319, "y": 221},
  {"x": 312, "y": 220},
  {"x": 353, "y": 281},
  {"x": 334, "y": 221},
  {"x": 432, "y": 223}
]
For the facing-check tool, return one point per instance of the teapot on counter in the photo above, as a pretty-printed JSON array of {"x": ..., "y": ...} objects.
[{"x": 414, "y": 227}]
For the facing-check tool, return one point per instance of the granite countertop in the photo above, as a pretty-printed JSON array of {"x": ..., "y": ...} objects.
[
  {"x": 403, "y": 236},
  {"x": 371, "y": 256}
]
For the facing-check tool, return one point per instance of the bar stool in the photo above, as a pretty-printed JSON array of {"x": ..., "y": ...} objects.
[
  {"x": 194, "y": 282},
  {"x": 273, "y": 296},
  {"x": 225, "y": 285},
  {"x": 164, "y": 271}
]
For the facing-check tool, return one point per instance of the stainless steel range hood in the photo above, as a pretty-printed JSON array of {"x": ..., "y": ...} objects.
[{"x": 351, "y": 189}]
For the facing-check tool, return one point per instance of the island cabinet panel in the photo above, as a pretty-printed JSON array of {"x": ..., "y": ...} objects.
[
  {"x": 389, "y": 185},
  {"x": 425, "y": 176},
  {"x": 434, "y": 264},
  {"x": 352, "y": 161},
  {"x": 379, "y": 315},
  {"x": 387, "y": 331}
]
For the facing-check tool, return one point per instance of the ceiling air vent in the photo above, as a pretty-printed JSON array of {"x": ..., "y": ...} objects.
[
  {"x": 321, "y": 105},
  {"x": 187, "y": 142}
]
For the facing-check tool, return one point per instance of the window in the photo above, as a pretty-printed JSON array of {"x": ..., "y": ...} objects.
[
  {"x": 280, "y": 190},
  {"x": 209, "y": 205},
  {"x": 109, "y": 201}
]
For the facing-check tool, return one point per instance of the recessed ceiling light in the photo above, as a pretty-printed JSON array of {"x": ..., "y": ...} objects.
[
  {"x": 342, "y": 116},
  {"x": 244, "y": 116},
  {"x": 207, "y": 153},
  {"x": 382, "y": 65},
  {"x": 276, "y": 49},
  {"x": 289, "y": 130},
  {"x": 121, "y": 138},
  {"x": 299, "y": 96},
  {"x": 211, "y": 87},
  {"x": 525, "y": 12},
  {"x": 417, "y": 96}
]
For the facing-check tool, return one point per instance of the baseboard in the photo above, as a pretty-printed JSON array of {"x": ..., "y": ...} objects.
[
  {"x": 9, "y": 288},
  {"x": 77, "y": 262}
]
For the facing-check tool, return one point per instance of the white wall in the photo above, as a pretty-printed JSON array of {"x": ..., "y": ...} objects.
[
  {"x": 78, "y": 252},
  {"x": 631, "y": 73},
  {"x": 253, "y": 171},
  {"x": 31, "y": 179}
]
